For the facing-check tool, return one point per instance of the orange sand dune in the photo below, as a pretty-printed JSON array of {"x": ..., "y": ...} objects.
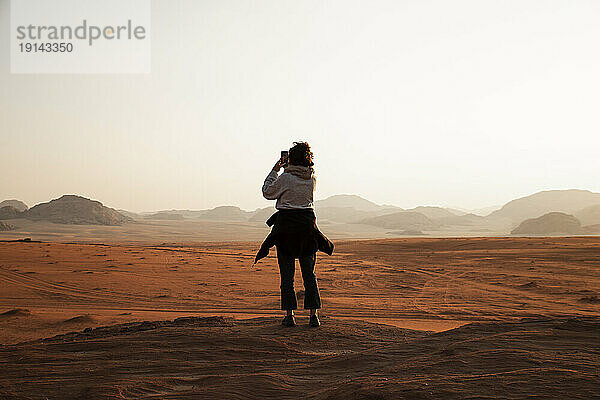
[
  {"x": 431, "y": 284},
  {"x": 418, "y": 284}
]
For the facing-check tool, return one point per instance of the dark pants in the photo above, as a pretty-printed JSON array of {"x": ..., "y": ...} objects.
[{"x": 287, "y": 269}]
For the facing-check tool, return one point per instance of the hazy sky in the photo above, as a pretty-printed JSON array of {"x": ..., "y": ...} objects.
[{"x": 466, "y": 103}]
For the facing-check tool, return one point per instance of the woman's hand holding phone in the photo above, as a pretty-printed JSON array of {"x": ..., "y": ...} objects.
[
  {"x": 277, "y": 165},
  {"x": 282, "y": 162}
]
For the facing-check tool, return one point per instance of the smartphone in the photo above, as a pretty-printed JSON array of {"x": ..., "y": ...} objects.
[{"x": 284, "y": 158}]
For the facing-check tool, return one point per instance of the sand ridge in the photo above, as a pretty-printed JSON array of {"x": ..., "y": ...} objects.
[{"x": 217, "y": 357}]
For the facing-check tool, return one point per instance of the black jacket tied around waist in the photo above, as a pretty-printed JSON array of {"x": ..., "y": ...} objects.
[{"x": 296, "y": 233}]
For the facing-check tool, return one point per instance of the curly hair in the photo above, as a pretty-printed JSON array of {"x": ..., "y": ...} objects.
[{"x": 300, "y": 154}]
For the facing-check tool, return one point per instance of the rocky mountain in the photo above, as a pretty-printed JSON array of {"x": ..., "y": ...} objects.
[
  {"x": 403, "y": 220},
  {"x": 9, "y": 212},
  {"x": 225, "y": 213},
  {"x": 72, "y": 209},
  {"x": 17, "y": 204},
  {"x": 538, "y": 204},
  {"x": 554, "y": 223}
]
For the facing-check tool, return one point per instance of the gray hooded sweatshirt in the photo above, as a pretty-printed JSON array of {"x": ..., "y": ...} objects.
[{"x": 293, "y": 189}]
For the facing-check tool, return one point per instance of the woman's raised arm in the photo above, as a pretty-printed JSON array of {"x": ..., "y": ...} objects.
[{"x": 273, "y": 186}]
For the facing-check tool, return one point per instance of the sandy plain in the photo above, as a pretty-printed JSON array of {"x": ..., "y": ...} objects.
[{"x": 402, "y": 318}]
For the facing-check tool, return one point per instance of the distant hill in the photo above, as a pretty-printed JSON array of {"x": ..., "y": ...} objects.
[
  {"x": 457, "y": 211},
  {"x": 436, "y": 218},
  {"x": 165, "y": 216},
  {"x": 225, "y": 213},
  {"x": 554, "y": 223},
  {"x": 327, "y": 212},
  {"x": 340, "y": 213},
  {"x": 17, "y": 204},
  {"x": 262, "y": 214},
  {"x": 409, "y": 232},
  {"x": 129, "y": 214},
  {"x": 9, "y": 212},
  {"x": 403, "y": 220},
  {"x": 589, "y": 215},
  {"x": 463, "y": 220},
  {"x": 72, "y": 209},
  {"x": 352, "y": 201},
  {"x": 565, "y": 201},
  {"x": 5, "y": 227},
  {"x": 345, "y": 208},
  {"x": 483, "y": 211},
  {"x": 186, "y": 214},
  {"x": 433, "y": 212},
  {"x": 345, "y": 214}
]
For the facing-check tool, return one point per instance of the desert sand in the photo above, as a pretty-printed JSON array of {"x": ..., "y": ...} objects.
[{"x": 402, "y": 318}]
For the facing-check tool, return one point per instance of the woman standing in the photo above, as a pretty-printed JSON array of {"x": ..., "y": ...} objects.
[{"x": 295, "y": 233}]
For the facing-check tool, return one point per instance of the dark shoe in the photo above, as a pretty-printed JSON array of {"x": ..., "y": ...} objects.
[
  {"x": 288, "y": 321},
  {"x": 314, "y": 321}
]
